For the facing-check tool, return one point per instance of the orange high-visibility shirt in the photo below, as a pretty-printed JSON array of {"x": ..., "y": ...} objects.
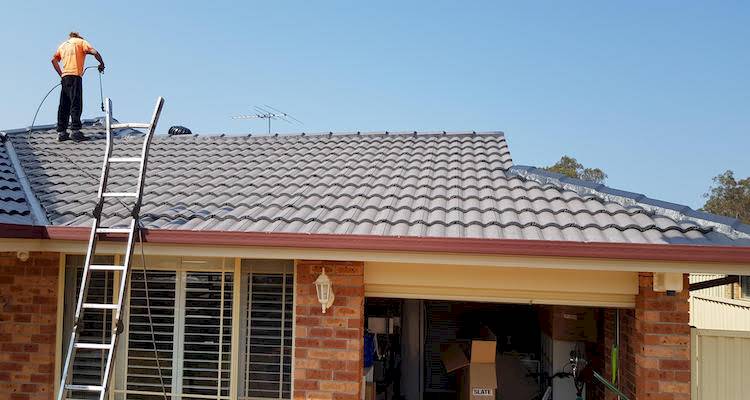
[{"x": 73, "y": 54}]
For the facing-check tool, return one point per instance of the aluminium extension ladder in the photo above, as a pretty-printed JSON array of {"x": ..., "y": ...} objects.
[{"x": 117, "y": 325}]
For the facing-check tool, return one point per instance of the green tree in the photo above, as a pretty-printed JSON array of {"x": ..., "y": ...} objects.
[
  {"x": 729, "y": 197},
  {"x": 569, "y": 166}
]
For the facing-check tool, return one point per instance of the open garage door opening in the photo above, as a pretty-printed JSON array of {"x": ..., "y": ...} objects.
[{"x": 435, "y": 349}]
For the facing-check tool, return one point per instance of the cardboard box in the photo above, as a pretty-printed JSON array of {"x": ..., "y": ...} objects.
[
  {"x": 476, "y": 371},
  {"x": 574, "y": 324}
]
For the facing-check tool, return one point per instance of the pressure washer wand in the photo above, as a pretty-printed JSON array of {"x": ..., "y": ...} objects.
[{"x": 101, "y": 91}]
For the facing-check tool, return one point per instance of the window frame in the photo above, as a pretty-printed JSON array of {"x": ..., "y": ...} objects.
[
  {"x": 165, "y": 263},
  {"x": 745, "y": 287},
  {"x": 232, "y": 265}
]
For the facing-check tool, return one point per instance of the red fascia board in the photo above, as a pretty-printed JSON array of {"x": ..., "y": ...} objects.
[{"x": 515, "y": 247}]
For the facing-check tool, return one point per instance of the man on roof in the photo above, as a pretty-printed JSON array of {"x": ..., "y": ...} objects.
[{"x": 73, "y": 53}]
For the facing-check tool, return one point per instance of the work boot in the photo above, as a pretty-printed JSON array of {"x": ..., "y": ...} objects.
[
  {"x": 78, "y": 136},
  {"x": 62, "y": 136}
]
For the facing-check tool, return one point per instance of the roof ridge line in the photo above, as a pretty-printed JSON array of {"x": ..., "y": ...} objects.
[
  {"x": 45, "y": 127},
  {"x": 731, "y": 227},
  {"x": 93, "y": 121}
]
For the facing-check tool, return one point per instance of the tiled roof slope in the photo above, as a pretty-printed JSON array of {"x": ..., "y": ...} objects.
[
  {"x": 13, "y": 206},
  {"x": 428, "y": 185}
]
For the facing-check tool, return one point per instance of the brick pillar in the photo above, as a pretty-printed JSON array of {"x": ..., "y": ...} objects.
[
  {"x": 661, "y": 342},
  {"x": 329, "y": 347},
  {"x": 28, "y": 318}
]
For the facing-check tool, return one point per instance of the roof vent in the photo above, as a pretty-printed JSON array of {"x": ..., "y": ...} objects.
[{"x": 179, "y": 130}]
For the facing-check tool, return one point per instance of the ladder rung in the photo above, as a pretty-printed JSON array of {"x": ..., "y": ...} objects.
[
  {"x": 98, "y": 306},
  {"x": 112, "y": 230},
  {"x": 124, "y": 159},
  {"x": 133, "y": 125},
  {"x": 88, "y": 388},
  {"x": 120, "y": 194},
  {"x": 95, "y": 267},
  {"x": 93, "y": 346}
]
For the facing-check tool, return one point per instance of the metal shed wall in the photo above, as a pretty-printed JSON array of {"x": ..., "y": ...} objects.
[
  {"x": 720, "y": 365},
  {"x": 719, "y": 313}
]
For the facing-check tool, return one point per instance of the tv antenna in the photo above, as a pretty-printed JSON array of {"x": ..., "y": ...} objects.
[{"x": 270, "y": 113}]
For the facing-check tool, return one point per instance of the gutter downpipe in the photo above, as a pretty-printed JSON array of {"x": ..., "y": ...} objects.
[{"x": 37, "y": 212}]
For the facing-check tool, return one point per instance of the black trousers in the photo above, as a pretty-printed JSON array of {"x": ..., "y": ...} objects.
[{"x": 71, "y": 103}]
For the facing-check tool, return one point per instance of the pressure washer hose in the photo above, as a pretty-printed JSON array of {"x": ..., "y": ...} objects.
[{"x": 101, "y": 96}]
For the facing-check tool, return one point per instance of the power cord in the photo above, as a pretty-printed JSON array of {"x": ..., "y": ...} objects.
[
  {"x": 65, "y": 156},
  {"x": 148, "y": 309}
]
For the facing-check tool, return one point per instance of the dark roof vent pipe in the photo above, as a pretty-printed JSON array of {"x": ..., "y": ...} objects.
[{"x": 179, "y": 130}]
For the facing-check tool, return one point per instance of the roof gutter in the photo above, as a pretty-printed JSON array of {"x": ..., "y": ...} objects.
[
  {"x": 504, "y": 247},
  {"x": 37, "y": 212}
]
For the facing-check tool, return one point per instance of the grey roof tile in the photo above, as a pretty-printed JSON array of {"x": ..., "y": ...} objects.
[
  {"x": 13, "y": 206},
  {"x": 436, "y": 185}
]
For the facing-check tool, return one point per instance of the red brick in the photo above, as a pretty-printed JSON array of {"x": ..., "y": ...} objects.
[
  {"x": 320, "y": 332},
  {"x": 319, "y": 374},
  {"x": 304, "y": 384},
  {"x": 347, "y": 333},
  {"x": 304, "y": 342},
  {"x": 335, "y": 322},
  {"x": 340, "y": 387},
  {"x": 345, "y": 376},
  {"x": 679, "y": 365},
  {"x": 345, "y": 312},
  {"x": 333, "y": 365},
  {"x": 308, "y": 321}
]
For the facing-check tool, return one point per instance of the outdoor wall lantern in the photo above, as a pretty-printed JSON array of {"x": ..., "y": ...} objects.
[{"x": 324, "y": 290}]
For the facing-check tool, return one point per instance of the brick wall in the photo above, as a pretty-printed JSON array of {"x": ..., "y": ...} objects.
[
  {"x": 654, "y": 355},
  {"x": 28, "y": 315},
  {"x": 329, "y": 347},
  {"x": 662, "y": 342}
]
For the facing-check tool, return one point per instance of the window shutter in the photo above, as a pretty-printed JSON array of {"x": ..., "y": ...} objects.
[
  {"x": 266, "y": 362},
  {"x": 88, "y": 365},
  {"x": 207, "y": 334},
  {"x": 142, "y": 370}
]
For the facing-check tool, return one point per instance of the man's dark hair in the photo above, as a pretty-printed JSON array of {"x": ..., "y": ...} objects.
[{"x": 75, "y": 35}]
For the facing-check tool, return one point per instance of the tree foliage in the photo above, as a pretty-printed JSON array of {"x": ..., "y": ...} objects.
[
  {"x": 569, "y": 166},
  {"x": 729, "y": 196}
]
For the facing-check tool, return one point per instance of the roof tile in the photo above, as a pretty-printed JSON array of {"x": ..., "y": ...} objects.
[{"x": 436, "y": 185}]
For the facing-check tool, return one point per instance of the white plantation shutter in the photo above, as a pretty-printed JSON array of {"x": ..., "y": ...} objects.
[
  {"x": 142, "y": 372},
  {"x": 192, "y": 323},
  {"x": 191, "y": 305},
  {"x": 266, "y": 332},
  {"x": 206, "y": 355}
]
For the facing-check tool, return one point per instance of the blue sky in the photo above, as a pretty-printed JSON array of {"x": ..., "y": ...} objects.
[{"x": 655, "y": 93}]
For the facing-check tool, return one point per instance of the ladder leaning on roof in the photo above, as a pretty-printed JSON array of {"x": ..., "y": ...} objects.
[{"x": 76, "y": 342}]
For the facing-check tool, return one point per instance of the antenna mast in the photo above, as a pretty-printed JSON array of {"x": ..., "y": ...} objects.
[{"x": 269, "y": 113}]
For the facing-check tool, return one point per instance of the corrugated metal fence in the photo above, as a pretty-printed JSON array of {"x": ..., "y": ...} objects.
[
  {"x": 716, "y": 291},
  {"x": 716, "y": 313},
  {"x": 720, "y": 365}
]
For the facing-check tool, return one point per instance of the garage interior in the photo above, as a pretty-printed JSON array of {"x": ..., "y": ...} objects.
[{"x": 409, "y": 342}]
